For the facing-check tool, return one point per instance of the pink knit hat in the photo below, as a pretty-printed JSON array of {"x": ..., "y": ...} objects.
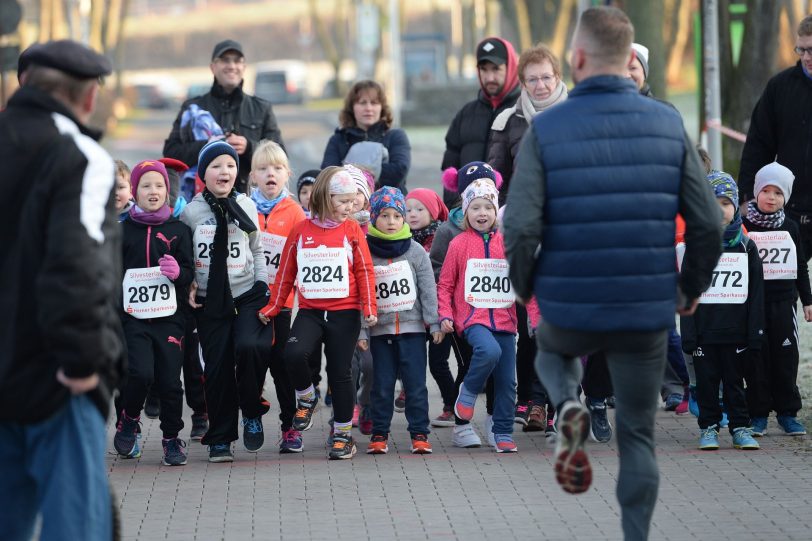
[{"x": 145, "y": 167}]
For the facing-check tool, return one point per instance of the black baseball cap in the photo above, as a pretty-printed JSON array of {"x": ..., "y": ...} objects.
[
  {"x": 491, "y": 50},
  {"x": 224, "y": 46},
  {"x": 68, "y": 56}
]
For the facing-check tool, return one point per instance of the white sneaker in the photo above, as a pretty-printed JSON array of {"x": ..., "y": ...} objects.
[
  {"x": 489, "y": 430},
  {"x": 464, "y": 436}
]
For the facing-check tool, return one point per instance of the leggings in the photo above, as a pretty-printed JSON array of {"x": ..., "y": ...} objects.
[{"x": 339, "y": 331}]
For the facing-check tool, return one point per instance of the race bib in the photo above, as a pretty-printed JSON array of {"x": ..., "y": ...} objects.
[
  {"x": 148, "y": 294},
  {"x": 237, "y": 246},
  {"x": 779, "y": 258},
  {"x": 487, "y": 284},
  {"x": 730, "y": 281},
  {"x": 394, "y": 287},
  {"x": 323, "y": 273},
  {"x": 272, "y": 246}
]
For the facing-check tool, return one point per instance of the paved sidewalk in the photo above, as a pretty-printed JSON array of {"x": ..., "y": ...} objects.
[{"x": 460, "y": 494}]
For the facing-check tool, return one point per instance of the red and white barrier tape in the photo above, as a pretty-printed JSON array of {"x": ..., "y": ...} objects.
[{"x": 733, "y": 134}]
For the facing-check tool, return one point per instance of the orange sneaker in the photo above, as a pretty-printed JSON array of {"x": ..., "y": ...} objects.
[
  {"x": 421, "y": 445},
  {"x": 378, "y": 445}
]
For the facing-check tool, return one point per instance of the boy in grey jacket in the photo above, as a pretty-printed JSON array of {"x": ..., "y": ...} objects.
[{"x": 407, "y": 303}]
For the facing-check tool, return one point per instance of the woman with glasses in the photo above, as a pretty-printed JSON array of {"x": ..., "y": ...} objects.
[{"x": 542, "y": 87}]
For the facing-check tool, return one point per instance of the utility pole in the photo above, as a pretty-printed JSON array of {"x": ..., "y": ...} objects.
[
  {"x": 395, "y": 62},
  {"x": 713, "y": 101}
]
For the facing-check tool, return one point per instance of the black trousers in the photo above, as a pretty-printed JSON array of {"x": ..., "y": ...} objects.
[
  {"x": 193, "y": 370},
  {"x": 236, "y": 348},
  {"x": 528, "y": 384},
  {"x": 772, "y": 376},
  {"x": 155, "y": 354},
  {"x": 463, "y": 351},
  {"x": 597, "y": 382},
  {"x": 438, "y": 366},
  {"x": 315, "y": 365},
  {"x": 279, "y": 372},
  {"x": 338, "y": 331},
  {"x": 724, "y": 364}
]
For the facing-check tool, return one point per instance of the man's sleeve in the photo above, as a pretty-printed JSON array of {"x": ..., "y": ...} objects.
[
  {"x": 703, "y": 226},
  {"x": 394, "y": 172},
  {"x": 761, "y": 146},
  {"x": 80, "y": 280},
  {"x": 176, "y": 147},
  {"x": 451, "y": 157},
  {"x": 522, "y": 222}
]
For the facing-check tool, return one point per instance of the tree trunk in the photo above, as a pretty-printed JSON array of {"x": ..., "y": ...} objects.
[{"x": 683, "y": 32}]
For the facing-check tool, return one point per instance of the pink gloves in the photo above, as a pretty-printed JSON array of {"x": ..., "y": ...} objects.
[{"x": 169, "y": 267}]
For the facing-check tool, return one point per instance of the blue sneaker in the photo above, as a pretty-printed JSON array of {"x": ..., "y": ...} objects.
[
  {"x": 220, "y": 452},
  {"x": 126, "y": 439},
  {"x": 791, "y": 425},
  {"x": 693, "y": 405},
  {"x": 743, "y": 439},
  {"x": 464, "y": 406},
  {"x": 291, "y": 442},
  {"x": 253, "y": 437},
  {"x": 709, "y": 438},
  {"x": 759, "y": 426}
]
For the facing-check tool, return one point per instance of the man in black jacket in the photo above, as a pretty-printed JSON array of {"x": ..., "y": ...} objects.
[
  {"x": 780, "y": 130},
  {"x": 467, "y": 138},
  {"x": 246, "y": 120},
  {"x": 60, "y": 342}
]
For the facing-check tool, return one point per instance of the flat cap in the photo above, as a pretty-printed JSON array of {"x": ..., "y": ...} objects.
[
  {"x": 68, "y": 56},
  {"x": 226, "y": 45}
]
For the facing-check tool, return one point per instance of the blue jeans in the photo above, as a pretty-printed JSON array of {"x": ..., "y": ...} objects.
[
  {"x": 494, "y": 353},
  {"x": 56, "y": 469},
  {"x": 404, "y": 354}
]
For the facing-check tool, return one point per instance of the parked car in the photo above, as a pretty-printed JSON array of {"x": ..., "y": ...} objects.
[{"x": 281, "y": 81}]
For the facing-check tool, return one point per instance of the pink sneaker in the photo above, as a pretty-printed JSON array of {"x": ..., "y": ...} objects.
[
  {"x": 356, "y": 413},
  {"x": 365, "y": 422},
  {"x": 682, "y": 408}
]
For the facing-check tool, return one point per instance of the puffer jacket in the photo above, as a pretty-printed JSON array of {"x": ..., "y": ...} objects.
[{"x": 471, "y": 244}]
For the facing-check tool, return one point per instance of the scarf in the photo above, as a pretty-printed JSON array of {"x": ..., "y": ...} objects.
[
  {"x": 733, "y": 232},
  {"x": 326, "y": 224},
  {"x": 137, "y": 214},
  {"x": 421, "y": 236},
  {"x": 456, "y": 217},
  {"x": 219, "y": 301},
  {"x": 531, "y": 107},
  {"x": 389, "y": 245},
  {"x": 265, "y": 205},
  {"x": 762, "y": 219}
]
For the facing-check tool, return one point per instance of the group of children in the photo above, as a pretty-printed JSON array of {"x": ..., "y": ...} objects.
[{"x": 377, "y": 274}]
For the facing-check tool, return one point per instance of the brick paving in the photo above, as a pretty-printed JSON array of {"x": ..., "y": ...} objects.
[{"x": 459, "y": 494}]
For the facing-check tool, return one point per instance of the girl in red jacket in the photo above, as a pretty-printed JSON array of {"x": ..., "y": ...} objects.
[
  {"x": 328, "y": 257},
  {"x": 476, "y": 300}
]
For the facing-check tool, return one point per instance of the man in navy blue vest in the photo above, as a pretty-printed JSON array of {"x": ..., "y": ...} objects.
[{"x": 598, "y": 183}]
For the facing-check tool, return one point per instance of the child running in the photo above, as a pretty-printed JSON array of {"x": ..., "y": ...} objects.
[
  {"x": 407, "y": 302},
  {"x": 772, "y": 382},
  {"x": 278, "y": 214},
  {"x": 157, "y": 259},
  {"x": 727, "y": 326},
  {"x": 327, "y": 256},
  {"x": 231, "y": 284},
  {"x": 476, "y": 300},
  {"x": 425, "y": 213}
]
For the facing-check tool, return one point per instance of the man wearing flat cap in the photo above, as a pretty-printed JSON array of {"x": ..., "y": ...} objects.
[
  {"x": 60, "y": 345},
  {"x": 245, "y": 120}
]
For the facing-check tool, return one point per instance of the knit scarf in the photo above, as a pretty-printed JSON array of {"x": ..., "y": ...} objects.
[
  {"x": 389, "y": 245},
  {"x": 733, "y": 232},
  {"x": 421, "y": 236},
  {"x": 456, "y": 216},
  {"x": 531, "y": 107},
  {"x": 137, "y": 214},
  {"x": 762, "y": 219},
  {"x": 219, "y": 301},
  {"x": 265, "y": 205}
]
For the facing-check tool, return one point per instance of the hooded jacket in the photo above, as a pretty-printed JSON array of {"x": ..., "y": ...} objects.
[{"x": 468, "y": 135}]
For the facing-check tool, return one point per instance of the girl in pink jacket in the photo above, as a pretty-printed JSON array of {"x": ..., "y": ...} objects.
[{"x": 477, "y": 301}]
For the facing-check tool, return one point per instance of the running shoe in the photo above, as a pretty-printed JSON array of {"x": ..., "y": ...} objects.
[
  {"x": 174, "y": 452},
  {"x": 126, "y": 439},
  {"x": 152, "y": 405},
  {"x": 365, "y": 421},
  {"x": 600, "y": 429},
  {"x": 253, "y": 437},
  {"x": 303, "y": 418},
  {"x": 572, "y": 468},
  {"x": 343, "y": 447},
  {"x": 673, "y": 401},
  {"x": 444, "y": 419},
  {"x": 522, "y": 413},
  {"x": 421, "y": 445},
  {"x": 759, "y": 426},
  {"x": 464, "y": 406},
  {"x": 291, "y": 442},
  {"x": 537, "y": 420},
  {"x": 791, "y": 425},
  {"x": 743, "y": 439},
  {"x": 220, "y": 452},
  {"x": 400, "y": 402},
  {"x": 709, "y": 438},
  {"x": 505, "y": 443},
  {"x": 464, "y": 436},
  {"x": 378, "y": 445},
  {"x": 200, "y": 425}
]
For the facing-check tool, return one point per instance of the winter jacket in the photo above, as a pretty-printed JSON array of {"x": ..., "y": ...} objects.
[
  {"x": 504, "y": 145},
  {"x": 787, "y": 290},
  {"x": 424, "y": 311},
  {"x": 442, "y": 239},
  {"x": 393, "y": 172},
  {"x": 286, "y": 214},
  {"x": 781, "y": 130},
  {"x": 247, "y": 247},
  {"x": 237, "y": 113},
  {"x": 471, "y": 244},
  {"x": 143, "y": 245},
  {"x": 307, "y": 236},
  {"x": 598, "y": 184},
  {"x": 61, "y": 262},
  {"x": 735, "y": 324}
]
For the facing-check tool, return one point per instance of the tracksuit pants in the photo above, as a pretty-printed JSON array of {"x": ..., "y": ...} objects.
[{"x": 725, "y": 364}]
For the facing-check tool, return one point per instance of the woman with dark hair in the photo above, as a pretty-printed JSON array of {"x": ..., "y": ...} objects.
[{"x": 366, "y": 118}]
